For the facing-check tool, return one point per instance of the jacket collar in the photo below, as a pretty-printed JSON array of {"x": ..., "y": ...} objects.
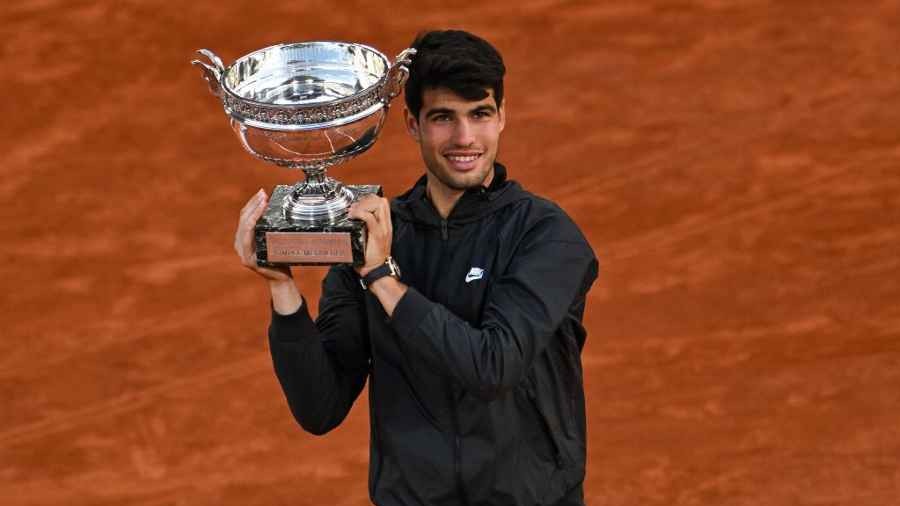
[{"x": 474, "y": 203}]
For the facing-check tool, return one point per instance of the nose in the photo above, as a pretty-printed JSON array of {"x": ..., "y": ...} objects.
[{"x": 463, "y": 133}]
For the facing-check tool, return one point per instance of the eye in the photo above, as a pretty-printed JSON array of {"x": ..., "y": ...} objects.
[
  {"x": 481, "y": 114},
  {"x": 440, "y": 118}
]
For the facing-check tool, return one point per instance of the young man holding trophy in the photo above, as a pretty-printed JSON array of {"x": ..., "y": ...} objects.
[{"x": 465, "y": 316}]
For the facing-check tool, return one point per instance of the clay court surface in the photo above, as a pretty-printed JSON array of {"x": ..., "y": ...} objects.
[{"x": 735, "y": 164}]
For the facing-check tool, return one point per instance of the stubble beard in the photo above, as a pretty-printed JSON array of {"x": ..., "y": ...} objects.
[{"x": 468, "y": 180}]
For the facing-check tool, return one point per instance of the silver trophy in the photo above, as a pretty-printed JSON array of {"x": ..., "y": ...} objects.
[{"x": 308, "y": 105}]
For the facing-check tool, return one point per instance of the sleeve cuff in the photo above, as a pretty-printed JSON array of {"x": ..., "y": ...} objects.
[
  {"x": 409, "y": 312},
  {"x": 294, "y": 326}
]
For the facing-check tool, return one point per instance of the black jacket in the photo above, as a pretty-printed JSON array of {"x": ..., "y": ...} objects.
[{"x": 475, "y": 392}]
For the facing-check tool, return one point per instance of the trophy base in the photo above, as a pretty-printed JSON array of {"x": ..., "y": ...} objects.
[{"x": 279, "y": 241}]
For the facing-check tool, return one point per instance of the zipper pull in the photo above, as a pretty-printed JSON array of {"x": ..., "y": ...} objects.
[{"x": 444, "y": 235}]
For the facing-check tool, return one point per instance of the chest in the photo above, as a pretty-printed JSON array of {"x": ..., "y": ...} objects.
[{"x": 456, "y": 269}]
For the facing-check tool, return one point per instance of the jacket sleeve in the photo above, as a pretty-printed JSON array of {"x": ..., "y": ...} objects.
[
  {"x": 551, "y": 269},
  {"x": 322, "y": 366}
]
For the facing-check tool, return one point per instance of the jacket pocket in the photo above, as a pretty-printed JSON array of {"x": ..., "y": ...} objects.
[
  {"x": 423, "y": 410},
  {"x": 547, "y": 426}
]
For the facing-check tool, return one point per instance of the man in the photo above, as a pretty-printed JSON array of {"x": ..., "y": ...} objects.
[{"x": 473, "y": 352}]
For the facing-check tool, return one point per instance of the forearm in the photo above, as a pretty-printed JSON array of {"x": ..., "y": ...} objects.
[
  {"x": 526, "y": 307},
  {"x": 318, "y": 389},
  {"x": 285, "y": 296},
  {"x": 389, "y": 291},
  {"x": 322, "y": 365},
  {"x": 486, "y": 361}
]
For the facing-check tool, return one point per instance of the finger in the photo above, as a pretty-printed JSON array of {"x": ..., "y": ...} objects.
[
  {"x": 380, "y": 230},
  {"x": 256, "y": 204},
  {"x": 367, "y": 199},
  {"x": 367, "y": 217},
  {"x": 248, "y": 228},
  {"x": 384, "y": 213},
  {"x": 361, "y": 212},
  {"x": 363, "y": 205},
  {"x": 249, "y": 221},
  {"x": 243, "y": 244},
  {"x": 248, "y": 217},
  {"x": 243, "y": 240},
  {"x": 384, "y": 210},
  {"x": 252, "y": 201},
  {"x": 257, "y": 211}
]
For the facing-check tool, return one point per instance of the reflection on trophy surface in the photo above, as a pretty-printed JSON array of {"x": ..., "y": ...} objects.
[{"x": 308, "y": 105}]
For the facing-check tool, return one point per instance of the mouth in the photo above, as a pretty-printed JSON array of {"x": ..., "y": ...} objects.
[{"x": 463, "y": 161}]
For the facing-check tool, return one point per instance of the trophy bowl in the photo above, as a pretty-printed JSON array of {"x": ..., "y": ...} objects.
[{"x": 309, "y": 106}]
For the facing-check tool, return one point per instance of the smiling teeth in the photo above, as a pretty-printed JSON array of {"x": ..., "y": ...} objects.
[{"x": 463, "y": 158}]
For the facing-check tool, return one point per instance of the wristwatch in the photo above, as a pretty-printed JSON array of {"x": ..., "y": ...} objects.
[{"x": 388, "y": 268}]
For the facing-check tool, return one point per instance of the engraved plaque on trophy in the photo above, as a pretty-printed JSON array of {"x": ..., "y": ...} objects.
[{"x": 308, "y": 106}]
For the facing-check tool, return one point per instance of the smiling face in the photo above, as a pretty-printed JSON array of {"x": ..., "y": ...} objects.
[{"x": 458, "y": 137}]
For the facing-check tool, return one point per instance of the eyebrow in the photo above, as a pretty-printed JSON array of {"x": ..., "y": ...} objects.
[
  {"x": 439, "y": 110},
  {"x": 444, "y": 110},
  {"x": 485, "y": 108}
]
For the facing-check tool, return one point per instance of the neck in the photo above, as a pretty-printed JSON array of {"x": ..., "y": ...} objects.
[
  {"x": 442, "y": 197},
  {"x": 445, "y": 198}
]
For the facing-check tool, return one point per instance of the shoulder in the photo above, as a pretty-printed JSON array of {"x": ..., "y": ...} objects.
[
  {"x": 541, "y": 219},
  {"x": 547, "y": 239}
]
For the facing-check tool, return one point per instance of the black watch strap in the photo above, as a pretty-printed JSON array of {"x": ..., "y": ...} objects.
[{"x": 388, "y": 268}]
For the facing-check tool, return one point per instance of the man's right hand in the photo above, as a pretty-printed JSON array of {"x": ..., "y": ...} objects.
[{"x": 243, "y": 240}]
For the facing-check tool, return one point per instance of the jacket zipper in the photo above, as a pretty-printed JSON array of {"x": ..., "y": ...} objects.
[{"x": 457, "y": 445}]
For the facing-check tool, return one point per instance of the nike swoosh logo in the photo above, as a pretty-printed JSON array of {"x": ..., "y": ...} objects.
[{"x": 474, "y": 274}]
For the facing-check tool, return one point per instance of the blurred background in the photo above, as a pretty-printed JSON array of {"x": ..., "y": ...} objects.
[{"x": 735, "y": 165}]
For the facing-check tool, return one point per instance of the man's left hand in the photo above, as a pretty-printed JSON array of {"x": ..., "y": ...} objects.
[{"x": 375, "y": 211}]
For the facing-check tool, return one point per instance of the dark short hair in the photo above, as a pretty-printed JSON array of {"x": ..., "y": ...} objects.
[{"x": 466, "y": 64}]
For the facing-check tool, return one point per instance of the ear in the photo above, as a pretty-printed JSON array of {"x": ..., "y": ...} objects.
[
  {"x": 501, "y": 112},
  {"x": 412, "y": 125}
]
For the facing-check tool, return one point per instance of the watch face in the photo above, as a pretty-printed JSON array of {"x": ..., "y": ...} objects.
[{"x": 394, "y": 267}]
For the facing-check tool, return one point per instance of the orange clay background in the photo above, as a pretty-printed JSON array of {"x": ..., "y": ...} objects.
[{"x": 735, "y": 164}]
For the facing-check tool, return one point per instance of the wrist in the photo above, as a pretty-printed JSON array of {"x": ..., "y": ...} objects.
[
  {"x": 285, "y": 297},
  {"x": 369, "y": 267},
  {"x": 387, "y": 282},
  {"x": 365, "y": 269},
  {"x": 388, "y": 290},
  {"x": 280, "y": 284},
  {"x": 370, "y": 274}
]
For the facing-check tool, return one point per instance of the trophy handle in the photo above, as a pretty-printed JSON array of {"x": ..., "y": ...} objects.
[
  {"x": 396, "y": 75},
  {"x": 212, "y": 73}
]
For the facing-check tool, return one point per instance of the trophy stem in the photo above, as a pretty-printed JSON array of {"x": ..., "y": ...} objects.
[
  {"x": 316, "y": 178},
  {"x": 318, "y": 200}
]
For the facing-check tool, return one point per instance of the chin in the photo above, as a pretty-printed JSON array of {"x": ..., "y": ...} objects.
[
  {"x": 456, "y": 180},
  {"x": 471, "y": 179},
  {"x": 467, "y": 181}
]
